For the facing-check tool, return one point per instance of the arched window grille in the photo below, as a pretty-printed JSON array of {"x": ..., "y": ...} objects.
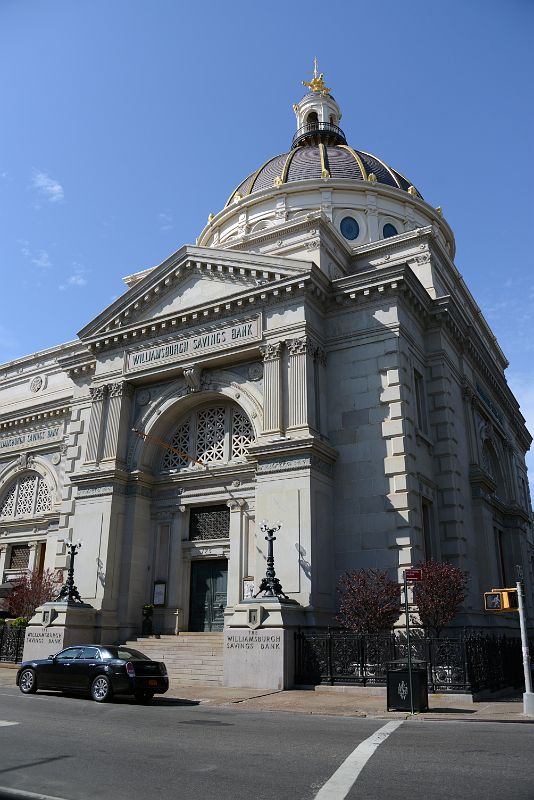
[
  {"x": 212, "y": 435},
  {"x": 27, "y": 496}
]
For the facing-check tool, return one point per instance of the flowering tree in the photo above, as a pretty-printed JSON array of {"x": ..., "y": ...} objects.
[
  {"x": 439, "y": 594},
  {"x": 370, "y": 601},
  {"x": 31, "y": 590}
]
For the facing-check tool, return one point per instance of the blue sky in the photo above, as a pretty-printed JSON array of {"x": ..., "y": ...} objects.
[{"x": 124, "y": 123}]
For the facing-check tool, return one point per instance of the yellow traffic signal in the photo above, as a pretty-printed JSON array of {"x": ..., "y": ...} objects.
[{"x": 501, "y": 600}]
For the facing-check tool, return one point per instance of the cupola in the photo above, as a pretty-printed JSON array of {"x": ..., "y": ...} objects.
[{"x": 318, "y": 115}]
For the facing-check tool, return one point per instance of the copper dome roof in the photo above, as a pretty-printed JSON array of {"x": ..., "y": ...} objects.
[{"x": 318, "y": 160}]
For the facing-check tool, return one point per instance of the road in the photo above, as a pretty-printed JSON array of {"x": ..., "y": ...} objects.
[{"x": 73, "y": 748}]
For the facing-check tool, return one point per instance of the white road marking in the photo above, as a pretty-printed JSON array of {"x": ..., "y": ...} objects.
[
  {"x": 345, "y": 777},
  {"x": 13, "y": 793},
  {"x": 5, "y": 722}
]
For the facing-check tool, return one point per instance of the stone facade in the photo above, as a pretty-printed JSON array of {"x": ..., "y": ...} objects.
[{"x": 352, "y": 391}]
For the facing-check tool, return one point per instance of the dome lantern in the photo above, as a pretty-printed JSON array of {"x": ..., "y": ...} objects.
[{"x": 317, "y": 115}]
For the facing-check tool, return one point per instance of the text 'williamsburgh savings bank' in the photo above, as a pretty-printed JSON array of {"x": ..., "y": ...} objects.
[{"x": 186, "y": 346}]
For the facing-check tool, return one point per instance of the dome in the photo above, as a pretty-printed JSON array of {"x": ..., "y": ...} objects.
[{"x": 312, "y": 158}]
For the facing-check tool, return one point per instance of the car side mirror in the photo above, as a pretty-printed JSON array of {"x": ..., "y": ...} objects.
[{"x": 51, "y": 658}]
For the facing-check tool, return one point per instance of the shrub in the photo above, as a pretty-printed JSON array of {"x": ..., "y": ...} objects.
[
  {"x": 32, "y": 590},
  {"x": 440, "y": 594},
  {"x": 370, "y": 601}
]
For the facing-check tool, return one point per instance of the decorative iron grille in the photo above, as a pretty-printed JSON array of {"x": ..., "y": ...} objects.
[
  {"x": 20, "y": 556},
  {"x": 180, "y": 441},
  {"x": 216, "y": 434},
  {"x": 473, "y": 662},
  {"x": 27, "y": 495},
  {"x": 11, "y": 643},
  {"x": 210, "y": 434},
  {"x": 209, "y": 522},
  {"x": 242, "y": 434}
]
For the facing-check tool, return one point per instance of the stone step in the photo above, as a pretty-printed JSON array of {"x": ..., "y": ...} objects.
[{"x": 192, "y": 659}]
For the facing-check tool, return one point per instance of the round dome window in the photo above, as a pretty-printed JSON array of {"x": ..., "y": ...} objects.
[
  {"x": 349, "y": 228},
  {"x": 389, "y": 230}
]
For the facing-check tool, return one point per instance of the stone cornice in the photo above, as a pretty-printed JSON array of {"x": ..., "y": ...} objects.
[
  {"x": 45, "y": 412},
  {"x": 310, "y": 282},
  {"x": 321, "y": 185},
  {"x": 120, "y": 316},
  {"x": 274, "y": 449}
]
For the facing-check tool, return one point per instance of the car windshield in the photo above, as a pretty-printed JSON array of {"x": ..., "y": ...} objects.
[{"x": 126, "y": 654}]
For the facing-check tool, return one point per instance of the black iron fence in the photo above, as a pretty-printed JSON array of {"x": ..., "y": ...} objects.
[
  {"x": 11, "y": 643},
  {"x": 473, "y": 662}
]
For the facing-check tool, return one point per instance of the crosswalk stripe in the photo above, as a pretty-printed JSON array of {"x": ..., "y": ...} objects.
[{"x": 5, "y": 722}]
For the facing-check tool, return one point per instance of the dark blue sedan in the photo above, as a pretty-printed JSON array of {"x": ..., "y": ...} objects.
[{"x": 101, "y": 671}]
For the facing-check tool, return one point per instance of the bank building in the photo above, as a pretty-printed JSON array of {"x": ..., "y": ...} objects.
[{"x": 315, "y": 359}]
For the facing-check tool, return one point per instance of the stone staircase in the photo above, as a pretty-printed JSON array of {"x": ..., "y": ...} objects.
[{"x": 192, "y": 659}]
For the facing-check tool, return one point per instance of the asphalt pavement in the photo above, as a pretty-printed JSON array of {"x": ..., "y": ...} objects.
[{"x": 220, "y": 745}]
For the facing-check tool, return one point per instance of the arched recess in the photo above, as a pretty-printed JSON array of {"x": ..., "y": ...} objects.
[
  {"x": 491, "y": 464},
  {"x": 176, "y": 404},
  {"x": 31, "y": 464}
]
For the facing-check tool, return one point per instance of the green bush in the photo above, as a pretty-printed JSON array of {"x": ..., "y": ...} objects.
[{"x": 20, "y": 622}]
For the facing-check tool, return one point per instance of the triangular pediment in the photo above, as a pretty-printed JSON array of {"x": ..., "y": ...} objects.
[{"x": 192, "y": 278}]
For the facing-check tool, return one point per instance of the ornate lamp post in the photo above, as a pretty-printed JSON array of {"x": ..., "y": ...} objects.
[
  {"x": 270, "y": 585},
  {"x": 69, "y": 591}
]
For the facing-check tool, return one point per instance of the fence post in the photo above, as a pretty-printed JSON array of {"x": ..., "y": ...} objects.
[{"x": 330, "y": 677}]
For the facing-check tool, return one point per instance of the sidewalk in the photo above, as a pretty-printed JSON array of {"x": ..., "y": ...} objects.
[{"x": 322, "y": 700}]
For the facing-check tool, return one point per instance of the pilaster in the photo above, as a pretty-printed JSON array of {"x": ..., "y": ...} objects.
[
  {"x": 94, "y": 436},
  {"x": 238, "y": 545},
  {"x": 118, "y": 409},
  {"x": 272, "y": 383},
  {"x": 300, "y": 373},
  {"x": 3, "y": 554}
]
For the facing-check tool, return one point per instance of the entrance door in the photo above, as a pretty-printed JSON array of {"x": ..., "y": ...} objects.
[{"x": 209, "y": 580}]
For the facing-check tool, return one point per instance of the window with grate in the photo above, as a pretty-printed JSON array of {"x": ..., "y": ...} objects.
[
  {"x": 216, "y": 434},
  {"x": 20, "y": 556},
  {"x": 179, "y": 456},
  {"x": 242, "y": 433},
  {"x": 209, "y": 522},
  {"x": 27, "y": 496},
  {"x": 210, "y": 434}
]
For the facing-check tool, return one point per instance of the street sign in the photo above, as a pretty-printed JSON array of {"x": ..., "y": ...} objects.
[{"x": 413, "y": 574}]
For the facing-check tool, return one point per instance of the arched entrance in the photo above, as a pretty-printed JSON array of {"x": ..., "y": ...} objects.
[{"x": 202, "y": 512}]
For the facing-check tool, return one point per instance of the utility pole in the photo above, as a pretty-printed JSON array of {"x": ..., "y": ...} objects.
[{"x": 528, "y": 696}]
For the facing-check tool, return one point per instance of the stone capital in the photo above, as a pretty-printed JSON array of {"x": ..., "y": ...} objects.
[{"x": 271, "y": 351}]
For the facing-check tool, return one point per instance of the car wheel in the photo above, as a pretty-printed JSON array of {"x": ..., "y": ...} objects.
[
  {"x": 143, "y": 697},
  {"x": 101, "y": 690},
  {"x": 27, "y": 681}
]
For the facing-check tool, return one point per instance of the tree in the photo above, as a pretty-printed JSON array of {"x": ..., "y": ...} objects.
[
  {"x": 31, "y": 590},
  {"x": 439, "y": 594},
  {"x": 370, "y": 601}
]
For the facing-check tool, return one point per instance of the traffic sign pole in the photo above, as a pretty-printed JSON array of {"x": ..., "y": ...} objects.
[
  {"x": 528, "y": 697},
  {"x": 408, "y": 639}
]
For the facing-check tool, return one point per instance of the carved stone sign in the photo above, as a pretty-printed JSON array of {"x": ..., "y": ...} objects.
[
  {"x": 187, "y": 347},
  {"x": 33, "y": 438}
]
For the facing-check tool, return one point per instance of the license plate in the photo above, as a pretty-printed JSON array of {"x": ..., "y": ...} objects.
[{"x": 152, "y": 682}]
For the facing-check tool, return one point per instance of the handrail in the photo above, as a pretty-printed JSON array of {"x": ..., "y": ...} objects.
[{"x": 319, "y": 127}]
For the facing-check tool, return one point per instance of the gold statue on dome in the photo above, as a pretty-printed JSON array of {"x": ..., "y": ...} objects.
[{"x": 317, "y": 83}]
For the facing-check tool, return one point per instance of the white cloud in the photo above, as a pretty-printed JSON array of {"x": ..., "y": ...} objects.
[
  {"x": 47, "y": 187},
  {"x": 166, "y": 222},
  {"x": 41, "y": 259},
  {"x": 76, "y": 278}
]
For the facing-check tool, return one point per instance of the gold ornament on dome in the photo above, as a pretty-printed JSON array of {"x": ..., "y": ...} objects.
[
  {"x": 317, "y": 83},
  {"x": 372, "y": 177}
]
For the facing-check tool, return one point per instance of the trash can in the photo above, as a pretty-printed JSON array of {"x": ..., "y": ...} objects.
[{"x": 398, "y": 685}]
